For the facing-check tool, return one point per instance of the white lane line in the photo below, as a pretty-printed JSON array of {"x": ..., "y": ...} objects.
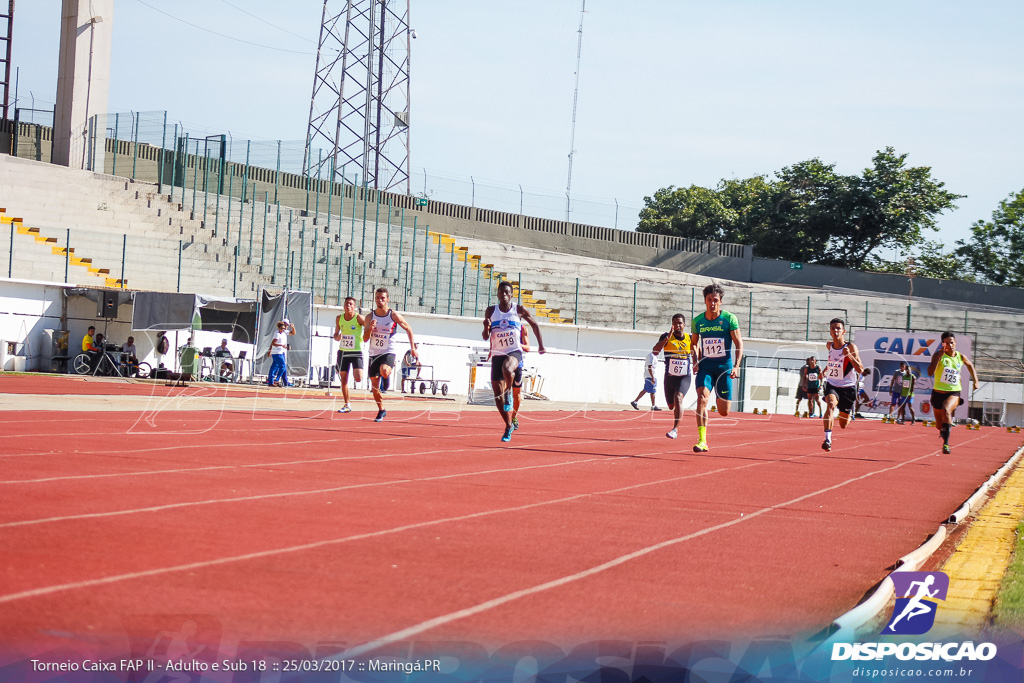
[
  {"x": 429, "y": 624},
  {"x": 264, "y": 444},
  {"x": 437, "y": 621},
  {"x": 170, "y": 506},
  {"x": 249, "y": 430},
  {"x": 88, "y": 583},
  {"x": 287, "y": 494},
  {"x": 313, "y": 491}
]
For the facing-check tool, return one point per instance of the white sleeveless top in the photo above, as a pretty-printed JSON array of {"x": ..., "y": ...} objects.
[
  {"x": 382, "y": 339},
  {"x": 506, "y": 331},
  {"x": 839, "y": 371}
]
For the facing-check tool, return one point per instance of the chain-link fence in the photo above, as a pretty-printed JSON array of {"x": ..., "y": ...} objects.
[
  {"x": 117, "y": 141},
  {"x": 528, "y": 201}
]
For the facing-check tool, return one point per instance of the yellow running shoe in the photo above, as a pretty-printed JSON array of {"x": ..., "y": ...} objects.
[{"x": 700, "y": 447}]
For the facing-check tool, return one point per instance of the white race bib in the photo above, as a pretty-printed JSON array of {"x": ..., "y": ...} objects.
[
  {"x": 504, "y": 339},
  {"x": 812, "y": 377},
  {"x": 379, "y": 340},
  {"x": 834, "y": 370},
  {"x": 348, "y": 341},
  {"x": 950, "y": 376},
  {"x": 713, "y": 347},
  {"x": 678, "y": 367}
]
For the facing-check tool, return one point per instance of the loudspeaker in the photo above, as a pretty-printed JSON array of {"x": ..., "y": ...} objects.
[{"x": 108, "y": 305}]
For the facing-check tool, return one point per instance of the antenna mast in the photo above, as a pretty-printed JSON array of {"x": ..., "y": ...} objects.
[
  {"x": 359, "y": 110},
  {"x": 575, "y": 97}
]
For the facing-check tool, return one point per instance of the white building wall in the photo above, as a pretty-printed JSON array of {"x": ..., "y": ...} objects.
[{"x": 582, "y": 364}]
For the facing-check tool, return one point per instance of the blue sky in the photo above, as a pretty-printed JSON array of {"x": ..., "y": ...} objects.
[{"x": 671, "y": 92}]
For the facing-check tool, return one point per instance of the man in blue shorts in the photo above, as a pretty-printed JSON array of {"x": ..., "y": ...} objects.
[
  {"x": 716, "y": 336},
  {"x": 650, "y": 383},
  {"x": 896, "y": 389},
  {"x": 503, "y": 324}
]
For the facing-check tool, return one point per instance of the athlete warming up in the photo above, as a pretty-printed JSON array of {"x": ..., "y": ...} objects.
[
  {"x": 716, "y": 334},
  {"x": 841, "y": 372},
  {"x": 945, "y": 367},
  {"x": 379, "y": 330},
  {"x": 503, "y": 326}
]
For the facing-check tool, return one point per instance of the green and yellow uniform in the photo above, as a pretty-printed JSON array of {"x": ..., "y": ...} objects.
[
  {"x": 947, "y": 373},
  {"x": 715, "y": 340},
  {"x": 351, "y": 334}
]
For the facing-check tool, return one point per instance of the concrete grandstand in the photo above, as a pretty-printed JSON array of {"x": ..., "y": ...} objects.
[{"x": 110, "y": 231}]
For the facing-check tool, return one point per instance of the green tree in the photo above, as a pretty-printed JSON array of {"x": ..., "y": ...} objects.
[
  {"x": 888, "y": 207},
  {"x": 930, "y": 261},
  {"x": 995, "y": 248},
  {"x": 695, "y": 212},
  {"x": 933, "y": 261},
  {"x": 809, "y": 212},
  {"x": 806, "y": 212}
]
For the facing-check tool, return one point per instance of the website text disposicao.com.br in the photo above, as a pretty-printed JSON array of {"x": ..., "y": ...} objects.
[
  {"x": 869, "y": 672},
  {"x": 953, "y": 660}
]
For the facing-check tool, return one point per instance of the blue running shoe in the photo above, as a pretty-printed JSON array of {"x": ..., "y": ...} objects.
[
  {"x": 507, "y": 436},
  {"x": 381, "y": 414}
]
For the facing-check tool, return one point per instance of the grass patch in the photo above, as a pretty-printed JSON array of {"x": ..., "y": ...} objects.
[{"x": 1008, "y": 611}]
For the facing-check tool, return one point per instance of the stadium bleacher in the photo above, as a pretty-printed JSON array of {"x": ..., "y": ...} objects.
[{"x": 117, "y": 231}]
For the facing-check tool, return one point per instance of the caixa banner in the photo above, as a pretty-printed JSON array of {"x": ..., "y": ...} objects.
[{"x": 886, "y": 383}]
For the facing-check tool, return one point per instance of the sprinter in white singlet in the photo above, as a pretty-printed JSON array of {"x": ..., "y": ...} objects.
[
  {"x": 841, "y": 373},
  {"x": 379, "y": 330},
  {"x": 503, "y": 325}
]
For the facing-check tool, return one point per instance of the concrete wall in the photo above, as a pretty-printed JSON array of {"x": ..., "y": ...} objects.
[
  {"x": 32, "y": 141},
  {"x": 811, "y": 275},
  {"x": 582, "y": 364},
  {"x": 707, "y": 259},
  {"x": 591, "y": 365}
]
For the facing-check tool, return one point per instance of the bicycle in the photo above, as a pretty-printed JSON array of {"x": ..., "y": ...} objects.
[
  {"x": 80, "y": 365},
  {"x": 106, "y": 366}
]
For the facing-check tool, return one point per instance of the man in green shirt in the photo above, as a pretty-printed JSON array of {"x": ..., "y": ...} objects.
[
  {"x": 907, "y": 395},
  {"x": 945, "y": 367},
  {"x": 348, "y": 331},
  {"x": 716, "y": 336}
]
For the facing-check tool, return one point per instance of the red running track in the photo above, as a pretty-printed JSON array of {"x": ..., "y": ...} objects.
[
  {"x": 75, "y": 385},
  {"x": 309, "y": 529}
]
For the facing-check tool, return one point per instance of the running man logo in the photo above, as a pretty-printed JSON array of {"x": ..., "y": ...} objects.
[{"x": 916, "y": 596}]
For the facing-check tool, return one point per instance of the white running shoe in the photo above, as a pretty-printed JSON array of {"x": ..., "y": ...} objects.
[{"x": 672, "y": 434}]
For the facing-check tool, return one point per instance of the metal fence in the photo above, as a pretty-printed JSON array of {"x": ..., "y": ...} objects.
[
  {"x": 129, "y": 131},
  {"x": 245, "y": 205}
]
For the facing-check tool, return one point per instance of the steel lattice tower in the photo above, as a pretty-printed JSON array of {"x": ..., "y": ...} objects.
[{"x": 359, "y": 110}]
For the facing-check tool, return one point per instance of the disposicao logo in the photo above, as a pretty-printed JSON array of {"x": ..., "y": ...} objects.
[{"x": 916, "y": 595}]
